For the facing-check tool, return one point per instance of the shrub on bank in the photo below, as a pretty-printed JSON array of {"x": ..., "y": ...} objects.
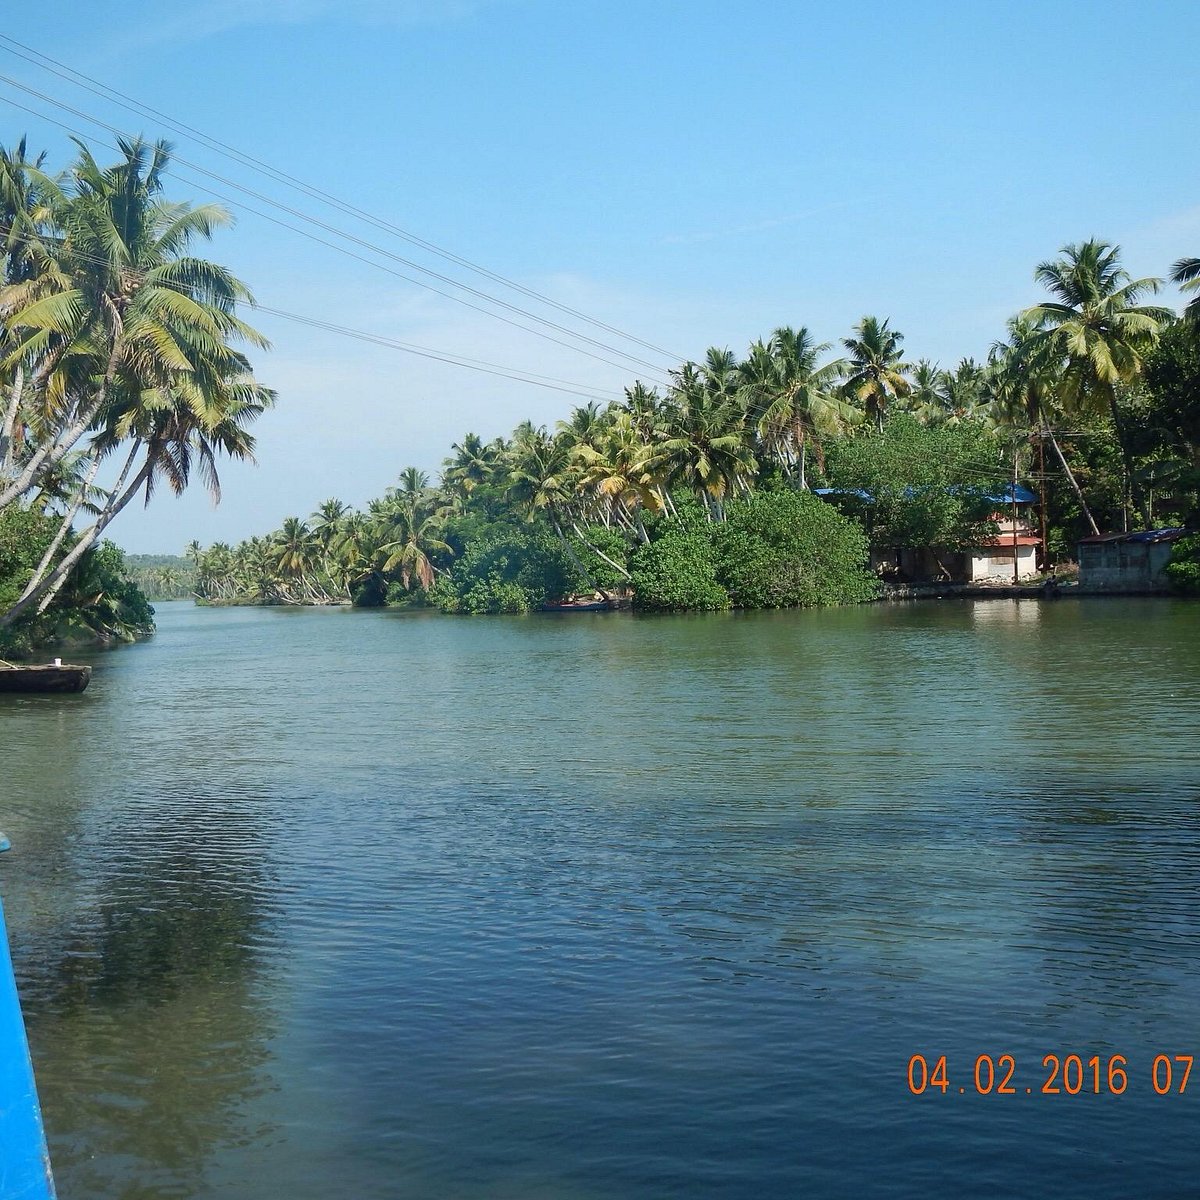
[
  {"x": 778, "y": 549},
  {"x": 677, "y": 571},
  {"x": 787, "y": 549},
  {"x": 506, "y": 570},
  {"x": 1183, "y": 571},
  {"x": 99, "y": 603}
]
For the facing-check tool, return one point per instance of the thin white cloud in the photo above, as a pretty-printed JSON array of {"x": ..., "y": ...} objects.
[
  {"x": 210, "y": 18},
  {"x": 750, "y": 228}
]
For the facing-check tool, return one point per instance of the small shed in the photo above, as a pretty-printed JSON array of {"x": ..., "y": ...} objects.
[{"x": 1127, "y": 562}]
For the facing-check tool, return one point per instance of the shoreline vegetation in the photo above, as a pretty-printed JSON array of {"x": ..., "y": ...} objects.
[
  {"x": 121, "y": 362},
  {"x": 702, "y": 497},
  {"x": 120, "y": 372}
]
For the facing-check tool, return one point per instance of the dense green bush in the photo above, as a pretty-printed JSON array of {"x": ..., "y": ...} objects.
[
  {"x": 919, "y": 485},
  {"x": 786, "y": 549},
  {"x": 24, "y": 535},
  {"x": 777, "y": 549},
  {"x": 1183, "y": 571},
  {"x": 677, "y": 570},
  {"x": 507, "y": 570}
]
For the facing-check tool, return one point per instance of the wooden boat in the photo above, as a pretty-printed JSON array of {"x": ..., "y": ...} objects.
[
  {"x": 577, "y": 606},
  {"x": 52, "y": 677}
]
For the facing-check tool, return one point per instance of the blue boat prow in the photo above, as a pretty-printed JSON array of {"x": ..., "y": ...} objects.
[{"x": 24, "y": 1161}]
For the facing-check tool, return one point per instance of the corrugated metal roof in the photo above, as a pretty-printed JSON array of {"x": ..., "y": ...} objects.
[{"x": 1170, "y": 534}]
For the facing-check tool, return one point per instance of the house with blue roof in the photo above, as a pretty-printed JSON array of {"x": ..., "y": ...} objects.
[{"x": 1010, "y": 553}]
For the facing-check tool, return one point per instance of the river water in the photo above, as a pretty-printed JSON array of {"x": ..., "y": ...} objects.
[{"x": 317, "y": 904}]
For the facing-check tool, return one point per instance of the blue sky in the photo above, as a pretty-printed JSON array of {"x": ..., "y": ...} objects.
[{"x": 692, "y": 173}]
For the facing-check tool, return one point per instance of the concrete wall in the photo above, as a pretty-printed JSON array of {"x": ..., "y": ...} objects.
[
  {"x": 1123, "y": 566},
  {"x": 997, "y": 563}
]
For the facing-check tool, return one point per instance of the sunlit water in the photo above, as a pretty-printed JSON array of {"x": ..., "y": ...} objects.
[{"x": 351, "y": 904}]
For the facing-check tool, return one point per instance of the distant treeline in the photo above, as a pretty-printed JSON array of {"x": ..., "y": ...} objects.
[{"x": 162, "y": 576}]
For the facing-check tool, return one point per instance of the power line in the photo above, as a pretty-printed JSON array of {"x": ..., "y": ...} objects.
[
  {"x": 207, "y": 188},
  {"x": 475, "y": 364},
  {"x": 349, "y": 237},
  {"x": 139, "y": 108}
]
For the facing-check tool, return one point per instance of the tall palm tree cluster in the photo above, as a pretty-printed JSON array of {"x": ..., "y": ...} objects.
[
  {"x": 724, "y": 428},
  {"x": 120, "y": 358}
]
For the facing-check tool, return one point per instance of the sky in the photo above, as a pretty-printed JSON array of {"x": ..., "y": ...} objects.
[{"x": 692, "y": 174}]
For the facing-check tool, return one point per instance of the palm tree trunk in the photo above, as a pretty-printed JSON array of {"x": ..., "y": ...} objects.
[
  {"x": 1087, "y": 512},
  {"x": 1132, "y": 488},
  {"x": 600, "y": 553},
  {"x": 49, "y": 456},
  {"x": 43, "y": 594},
  {"x": 69, "y": 516},
  {"x": 575, "y": 560},
  {"x": 8, "y": 429}
]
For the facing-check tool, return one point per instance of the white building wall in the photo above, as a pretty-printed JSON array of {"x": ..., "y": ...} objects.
[{"x": 996, "y": 562}]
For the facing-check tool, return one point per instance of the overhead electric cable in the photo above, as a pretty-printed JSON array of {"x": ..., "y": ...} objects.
[
  {"x": 341, "y": 249},
  {"x": 566, "y": 386},
  {"x": 350, "y": 237},
  {"x": 112, "y": 95}
]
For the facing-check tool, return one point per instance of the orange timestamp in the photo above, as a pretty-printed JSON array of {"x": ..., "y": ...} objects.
[{"x": 1070, "y": 1075}]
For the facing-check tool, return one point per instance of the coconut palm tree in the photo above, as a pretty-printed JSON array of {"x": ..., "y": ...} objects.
[
  {"x": 877, "y": 372},
  {"x": 414, "y": 537},
  {"x": 1186, "y": 273},
  {"x": 644, "y": 406},
  {"x": 1025, "y": 378},
  {"x": 620, "y": 474},
  {"x": 704, "y": 444},
  {"x": 925, "y": 394},
  {"x": 962, "y": 394},
  {"x": 130, "y": 341},
  {"x": 1099, "y": 331},
  {"x": 792, "y": 399},
  {"x": 474, "y": 464}
]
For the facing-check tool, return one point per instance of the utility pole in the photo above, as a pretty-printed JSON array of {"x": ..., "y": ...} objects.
[
  {"x": 1016, "y": 561},
  {"x": 1045, "y": 554}
]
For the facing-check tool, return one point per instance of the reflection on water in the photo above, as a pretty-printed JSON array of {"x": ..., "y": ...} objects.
[
  {"x": 141, "y": 996},
  {"x": 333, "y": 903}
]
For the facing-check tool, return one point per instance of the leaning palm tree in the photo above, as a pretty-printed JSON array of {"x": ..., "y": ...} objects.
[
  {"x": 877, "y": 372},
  {"x": 22, "y": 219},
  {"x": 1099, "y": 331},
  {"x": 128, "y": 340},
  {"x": 1186, "y": 273},
  {"x": 1024, "y": 379}
]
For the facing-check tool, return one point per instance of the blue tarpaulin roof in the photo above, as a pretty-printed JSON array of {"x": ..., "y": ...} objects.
[{"x": 1004, "y": 496}]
